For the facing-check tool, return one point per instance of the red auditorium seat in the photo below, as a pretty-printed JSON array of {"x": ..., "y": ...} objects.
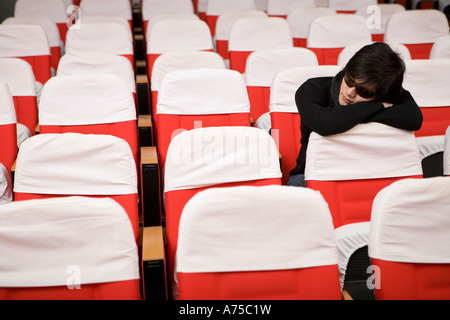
[
  {"x": 108, "y": 8},
  {"x": 350, "y": 168},
  {"x": 285, "y": 119},
  {"x": 408, "y": 240},
  {"x": 282, "y": 8},
  {"x": 88, "y": 251},
  {"x": 8, "y": 125},
  {"x": 233, "y": 245},
  {"x": 214, "y": 157},
  {"x": 74, "y": 164}
]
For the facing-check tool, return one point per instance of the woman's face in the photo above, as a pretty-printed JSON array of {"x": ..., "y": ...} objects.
[{"x": 350, "y": 92}]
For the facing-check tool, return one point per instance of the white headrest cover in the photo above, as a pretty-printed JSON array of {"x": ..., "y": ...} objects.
[
  {"x": 19, "y": 76},
  {"x": 181, "y": 60},
  {"x": 47, "y": 240},
  {"x": 284, "y": 7},
  {"x": 5, "y": 186},
  {"x": 203, "y": 91},
  {"x": 151, "y": 8},
  {"x": 217, "y": 7},
  {"x": 209, "y": 156},
  {"x": 50, "y": 28},
  {"x": 23, "y": 41},
  {"x": 254, "y": 229},
  {"x": 83, "y": 99},
  {"x": 86, "y": 63},
  {"x": 175, "y": 16},
  {"x": 350, "y": 5},
  {"x": 410, "y": 221},
  {"x": 368, "y": 151},
  {"x": 75, "y": 164},
  {"x": 121, "y": 8},
  {"x": 7, "y": 110},
  {"x": 441, "y": 48},
  {"x": 287, "y": 82},
  {"x": 427, "y": 81},
  {"x": 226, "y": 20},
  {"x": 53, "y": 9},
  {"x": 300, "y": 19}
]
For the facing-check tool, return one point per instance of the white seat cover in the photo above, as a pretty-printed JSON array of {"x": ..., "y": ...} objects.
[
  {"x": 385, "y": 10},
  {"x": 367, "y": 151},
  {"x": 300, "y": 19},
  {"x": 19, "y": 76},
  {"x": 93, "y": 236},
  {"x": 120, "y": 8},
  {"x": 151, "y": 8},
  {"x": 174, "y": 16},
  {"x": 350, "y": 5},
  {"x": 284, "y": 7},
  {"x": 217, "y": 7},
  {"x": 226, "y": 20},
  {"x": 410, "y": 222},
  {"x": 75, "y": 164},
  {"x": 254, "y": 229},
  {"x": 23, "y": 41},
  {"x": 441, "y": 48},
  {"x": 53, "y": 9},
  {"x": 234, "y": 153},
  {"x": 83, "y": 99}
]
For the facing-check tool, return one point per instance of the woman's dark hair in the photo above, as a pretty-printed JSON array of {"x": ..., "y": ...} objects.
[{"x": 377, "y": 65}]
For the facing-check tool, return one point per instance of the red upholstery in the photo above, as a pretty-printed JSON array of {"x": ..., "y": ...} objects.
[
  {"x": 327, "y": 56},
  {"x": 41, "y": 67},
  {"x": 8, "y": 151},
  {"x": 435, "y": 121},
  {"x": 26, "y": 111},
  {"x": 259, "y": 101},
  {"x": 419, "y": 51},
  {"x": 238, "y": 59}
]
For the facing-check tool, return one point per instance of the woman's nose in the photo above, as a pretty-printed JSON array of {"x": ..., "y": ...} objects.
[{"x": 351, "y": 91}]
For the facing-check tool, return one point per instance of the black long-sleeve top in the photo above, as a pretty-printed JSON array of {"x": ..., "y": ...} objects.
[{"x": 320, "y": 111}]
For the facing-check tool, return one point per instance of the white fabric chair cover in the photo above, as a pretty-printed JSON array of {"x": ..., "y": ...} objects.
[
  {"x": 23, "y": 41},
  {"x": 251, "y": 34},
  {"x": 416, "y": 26},
  {"x": 7, "y": 111},
  {"x": 287, "y": 82},
  {"x": 255, "y": 228},
  {"x": 284, "y": 7},
  {"x": 441, "y": 48},
  {"x": 226, "y": 20},
  {"x": 176, "y": 16},
  {"x": 182, "y": 60},
  {"x": 430, "y": 145},
  {"x": 108, "y": 19},
  {"x": 179, "y": 35},
  {"x": 83, "y": 99},
  {"x": 351, "y": 49},
  {"x": 263, "y": 65},
  {"x": 119, "y": 8},
  {"x": 337, "y": 31},
  {"x": 385, "y": 11},
  {"x": 218, "y": 7},
  {"x": 152, "y": 8},
  {"x": 447, "y": 153},
  {"x": 367, "y": 151},
  {"x": 19, "y": 76},
  {"x": 23, "y": 133},
  {"x": 92, "y": 235},
  {"x": 203, "y": 91},
  {"x": 53, "y": 9},
  {"x": 349, "y": 238},
  {"x": 90, "y": 63},
  {"x": 96, "y": 38},
  {"x": 410, "y": 222},
  {"x": 75, "y": 164},
  {"x": 350, "y": 5},
  {"x": 232, "y": 153},
  {"x": 300, "y": 19},
  {"x": 6, "y": 194},
  {"x": 427, "y": 80}
]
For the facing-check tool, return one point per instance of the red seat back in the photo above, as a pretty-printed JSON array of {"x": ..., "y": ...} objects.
[{"x": 8, "y": 123}]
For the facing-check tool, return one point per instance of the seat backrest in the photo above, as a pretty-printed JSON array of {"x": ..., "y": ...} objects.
[
  {"x": 282, "y": 8},
  {"x": 173, "y": 16},
  {"x": 378, "y": 16},
  {"x": 300, "y": 19},
  {"x": 284, "y": 116},
  {"x": 181, "y": 60},
  {"x": 19, "y": 77},
  {"x": 101, "y": 37},
  {"x": 177, "y": 35},
  {"x": 199, "y": 98},
  {"x": 408, "y": 240},
  {"x": 427, "y": 81},
  {"x": 88, "y": 251},
  {"x": 447, "y": 153},
  {"x": 90, "y": 104},
  {"x": 441, "y": 48},
  {"x": 328, "y": 35},
  {"x": 223, "y": 27},
  {"x": 417, "y": 29},
  {"x": 6, "y": 194},
  {"x": 8, "y": 125},
  {"x": 230, "y": 240},
  {"x": 55, "y": 165},
  {"x": 365, "y": 158},
  {"x": 52, "y": 32},
  {"x": 211, "y": 157},
  {"x": 350, "y": 6},
  {"x": 347, "y": 53},
  {"x": 53, "y": 9},
  {"x": 263, "y": 65},
  {"x": 114, "y": 8},
  {"x": 217, "y": 7},
  {"x": 252, "y": 34},
  {"x": 28, "y": 42}
]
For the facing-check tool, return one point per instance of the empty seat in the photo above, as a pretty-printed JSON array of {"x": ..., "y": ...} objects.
[
  {"x": 8, "y": 127},
  {"x": 74, "y": 164},
  {"x": 252, "y": 34},
  {"x": 328, "y": 35},
  {"x": 268, "y": 242},
  {"x": 441, "y": 48},
  {"x": 115, "y": 8},
  {"x": 427, "y": 81},
  {"x": 282, "y": 8},
  {"x": 214, "y": 157},
  {"x": 408, "y": 236},
  {"x": 173, "y": 16},
  {"x": 417, "y": 29},
  {"x": 350, "y": 168},
  {"x": 261, "y": 68},
  {"x": 88, "y": 251},
  {"x": 350, "y": 6},
  {"x": 284, "y": 116}
]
